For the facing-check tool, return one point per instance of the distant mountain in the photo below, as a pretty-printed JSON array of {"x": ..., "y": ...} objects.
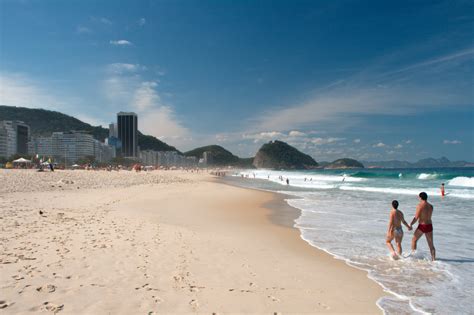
[
  {"x": 424, "y": 163},
  {"x": 44, "y": 122},
  {"x": 344, "y": 163},
  {"x": 280, "y": 155}
]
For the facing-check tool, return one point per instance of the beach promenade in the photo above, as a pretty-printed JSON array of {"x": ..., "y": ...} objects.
[{"x": 161, "y": 242}]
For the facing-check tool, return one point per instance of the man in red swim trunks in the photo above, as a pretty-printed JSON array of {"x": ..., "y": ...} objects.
[{"x": 424, "y": 210}]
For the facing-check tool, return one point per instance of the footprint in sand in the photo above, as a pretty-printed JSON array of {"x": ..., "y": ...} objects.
[
  {"x": 4, "y": 304},
  {"x": 18, "y": 277},
  {"x": 194, "y": 303},
  {"x": 51, "y": 307},
  {"x": 157, "y": 299},
  {"x": 323, "y": 306},
  {"x": 49, "y": 288},
  {"x": 274, "y": 299}
]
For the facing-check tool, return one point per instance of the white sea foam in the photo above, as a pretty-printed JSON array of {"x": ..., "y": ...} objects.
[
  {"x": 462, "y": 181},
  {"x": 359, "y": 217},
  {"x": 427, "y": 176},
  {"x": 457, "y": 193}
]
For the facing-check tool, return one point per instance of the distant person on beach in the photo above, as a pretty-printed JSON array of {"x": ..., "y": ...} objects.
[
  {"x": 395, "y": 230},
  {"x": 424, "y": 210},
  {"x": 287, "y": 181},
  {"x": 442, "y": 190}
]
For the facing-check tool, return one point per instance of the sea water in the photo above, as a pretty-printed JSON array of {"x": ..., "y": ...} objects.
[{"x": 345, "y": 213}]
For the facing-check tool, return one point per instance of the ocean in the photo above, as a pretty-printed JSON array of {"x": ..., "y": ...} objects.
[{"x": 345, "y": 213}]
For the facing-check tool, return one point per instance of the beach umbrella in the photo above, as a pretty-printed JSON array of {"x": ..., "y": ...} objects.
[{"x": 21, "y": 160}]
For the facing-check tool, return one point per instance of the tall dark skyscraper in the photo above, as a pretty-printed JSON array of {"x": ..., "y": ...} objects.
[
  {"x": 22, "y": 135},
  {"x": 127, "y": 126}
]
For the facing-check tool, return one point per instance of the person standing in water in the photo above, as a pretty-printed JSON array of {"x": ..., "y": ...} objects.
[
  {"x": 287, "y": 181},
  {"x": 424, "y": 211},
  {"x": 442, "y": 190},
  {"x": 395, "y": 230}
]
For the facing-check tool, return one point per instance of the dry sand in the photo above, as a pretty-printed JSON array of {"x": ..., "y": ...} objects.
[{"x": 160, "y": 242}]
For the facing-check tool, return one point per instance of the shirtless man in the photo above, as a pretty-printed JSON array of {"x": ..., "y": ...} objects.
[
  {"x": 424, "y": 210},
  {"x": 395, "y": 230}
]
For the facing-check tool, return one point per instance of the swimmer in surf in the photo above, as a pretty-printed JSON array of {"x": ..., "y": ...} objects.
[{"x": 395, "y": 230}]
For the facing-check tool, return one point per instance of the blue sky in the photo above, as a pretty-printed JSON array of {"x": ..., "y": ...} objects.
[{"x": 372, "y": 80}]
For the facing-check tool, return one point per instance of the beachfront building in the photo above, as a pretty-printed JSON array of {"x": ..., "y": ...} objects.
[
  {"x": 70, "y": 147},
  {"x": 14, "y": 137},
  {"x": 166, "y": 159},
  {"x": 206, "y": 159},
  {"x": 103, "y": 152},
  {"x": 3, "y": 141},
  {"x": 113, "y": 130},
  {"x": 127, "y": 131},
  {"x": 42, "y": 146}
]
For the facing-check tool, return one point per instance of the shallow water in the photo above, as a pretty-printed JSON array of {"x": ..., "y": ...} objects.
[{"x": 346, "y": 214}]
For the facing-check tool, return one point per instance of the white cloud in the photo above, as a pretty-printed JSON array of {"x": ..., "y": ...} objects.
[
  {"x": 452, "y": 142},
  {"x": 379, "y": 145},
  {"x": 322, "y": 141},
  {"x": 101, "y": 19},
  {"x": 407, "y": 141},
  {"x": 409, "y": 90},
  {"x": 264, "y": 136},
  {"x": 146, "y": 96},
  {"x": 356, "y": 140},
  {"x": 19, "y": 90},
  {"x": 398, "y": 146},
  {"x": 83, "y": 30},
  {"x": 161, "y": 122},
  {"x": 120, "y": 68},
  {"x": 141, "y": 21},
  {"x": 129, "y": 91},
  {"x": 120, "y": 42},
  {"x": 295, "y": 133}
]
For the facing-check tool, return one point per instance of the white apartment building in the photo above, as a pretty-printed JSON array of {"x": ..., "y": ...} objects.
[
  {"x": 43, "y": 146},
  {"x": 166, "y": 158},
  {"x": 69, "y": 147},
  {"x": 14, "y": 137}
]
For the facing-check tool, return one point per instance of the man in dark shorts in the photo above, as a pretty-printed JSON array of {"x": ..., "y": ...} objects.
[{"x": 424, "y": 211}]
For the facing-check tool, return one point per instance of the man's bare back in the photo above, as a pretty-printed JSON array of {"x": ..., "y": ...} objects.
[{"x": 424, "y": 211}]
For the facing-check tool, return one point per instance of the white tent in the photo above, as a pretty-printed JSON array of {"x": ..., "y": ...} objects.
[{"x": 22, "y": 160}]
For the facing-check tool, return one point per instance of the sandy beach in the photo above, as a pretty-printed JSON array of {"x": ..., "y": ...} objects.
[{"x": 161, "y": 242}]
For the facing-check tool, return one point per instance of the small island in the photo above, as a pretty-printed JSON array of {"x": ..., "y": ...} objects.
[{"x": 344, "y": 163}]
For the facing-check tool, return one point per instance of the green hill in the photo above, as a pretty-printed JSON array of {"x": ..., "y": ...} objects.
[
  {"x": 280, "y": 155},
  {"x": 218, "y": 155},
  {"x": 44, "y": 122}
]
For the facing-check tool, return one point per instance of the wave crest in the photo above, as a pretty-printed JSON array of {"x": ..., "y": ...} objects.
[{"x": 462, "y": 181}]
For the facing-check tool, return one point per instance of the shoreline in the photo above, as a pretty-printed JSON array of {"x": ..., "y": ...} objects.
[
  {"x": 178, "y": 243},
  {"x": 283, "y": 214}
]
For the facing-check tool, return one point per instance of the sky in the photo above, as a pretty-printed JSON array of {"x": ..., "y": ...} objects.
[{"x": 371, "y": 80}]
